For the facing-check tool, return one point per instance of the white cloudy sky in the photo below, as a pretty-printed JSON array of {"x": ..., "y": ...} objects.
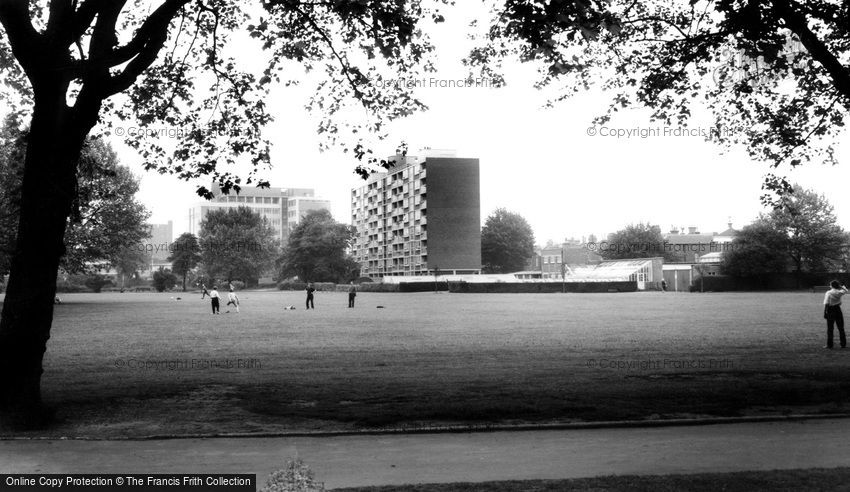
[{"x": 538, "y": 162}]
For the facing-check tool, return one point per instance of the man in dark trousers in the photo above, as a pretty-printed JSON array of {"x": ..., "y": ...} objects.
[
  {"x": 352, "y": 293},
  {"x": 310, "y": 290},
  {"x": 832, "y": 313},
  {"x": 214, "y": 300}
]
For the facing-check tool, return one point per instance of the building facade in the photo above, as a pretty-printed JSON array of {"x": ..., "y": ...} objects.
[
  {"x": 690, "y": 246},
  {"x": 270, "y": 203},
  {"x": 298, "y": 206},
  {"x": 555, "y": 261},
  {"x": 421, "y": 217},
  {"x": 160, "y": 242}
]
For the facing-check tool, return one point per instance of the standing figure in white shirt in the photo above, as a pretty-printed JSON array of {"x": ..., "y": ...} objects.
[
  {"x": 214, "y": 300},
  {"x": 832, "y": 313},
  {"x": 233, "y": 299}
]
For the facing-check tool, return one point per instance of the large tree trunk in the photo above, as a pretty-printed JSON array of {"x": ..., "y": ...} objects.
[{"x": 56, "y": 137}]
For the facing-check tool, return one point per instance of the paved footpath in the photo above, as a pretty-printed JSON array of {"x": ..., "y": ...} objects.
[{"x": 474, "y": 457}]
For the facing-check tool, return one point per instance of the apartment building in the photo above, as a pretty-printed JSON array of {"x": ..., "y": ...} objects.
[{"x": 420, "y": 217}]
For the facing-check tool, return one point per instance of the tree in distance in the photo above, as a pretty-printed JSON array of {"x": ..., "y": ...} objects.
[
  {"x": 130, "y": 261},
  {"x": 71, "y": 67},
  {"x": 507, "y": 242},
  {"x": 185, "y": 255},
  {"x": 317, "y": 250},
  {"x": 636, "y": 241},
  {"x": 106, "y": 217},
  {"x": 801, "y": 234},
  {"x": 237, "y": 243},
  {"x": 757, "y": 251},
  {"x": 773, "y": 74}
]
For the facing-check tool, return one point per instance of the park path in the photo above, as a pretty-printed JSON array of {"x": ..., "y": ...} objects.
[{"x": 482, "y": 456}]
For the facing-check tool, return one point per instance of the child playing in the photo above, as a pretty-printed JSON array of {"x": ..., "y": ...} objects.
[
  {"x": 214, "y": 300},
  {"x": 232, "y": 299}
]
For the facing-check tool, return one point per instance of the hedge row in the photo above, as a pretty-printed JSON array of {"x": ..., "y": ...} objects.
[
  {"x": 776, "y": 281},
  {"x": 369, "y": 286},
  {"x": 541, "y": 287},
  {"x": 320, "y": 286}
]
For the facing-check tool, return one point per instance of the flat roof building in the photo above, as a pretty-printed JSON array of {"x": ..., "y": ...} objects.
[
  {"x": 298, "y": 206},
  {"x": 160, "y": 241},
  {"x": 420, "y": 217},
  {"x": 271, "y": 203}
]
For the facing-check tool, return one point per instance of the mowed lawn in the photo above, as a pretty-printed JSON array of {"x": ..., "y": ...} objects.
[{"x": 144, "y": 364}]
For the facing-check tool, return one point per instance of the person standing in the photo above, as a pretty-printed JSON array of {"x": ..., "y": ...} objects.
[
  {"x": 233, "y": 299},
  {"x": 663, "y": 285},
  {"x": 214, "y": 300},
  {"x": 205, "y": 291},
  {"x": 310, "y": 290},
  {"x": 832, "y": 313},
  {"x": 352, "y": 293}
]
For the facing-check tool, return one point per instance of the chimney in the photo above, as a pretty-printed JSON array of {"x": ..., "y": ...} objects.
[
  {"x": 692, "y": 230},
  {"x": 674, "y": 230}
]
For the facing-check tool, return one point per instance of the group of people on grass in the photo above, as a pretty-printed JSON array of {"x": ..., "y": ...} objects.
[
  {"x": 352, "y": 293},
  {"x": 831, "y": 306},
  {"x": 233, "y": 299}
]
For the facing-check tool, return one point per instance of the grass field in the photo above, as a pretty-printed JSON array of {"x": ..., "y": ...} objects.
[{"x": 141, "y": 364}]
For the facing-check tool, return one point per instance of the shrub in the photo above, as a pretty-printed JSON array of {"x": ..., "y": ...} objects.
[
  {"x": 69, "y": 288},
  {"x": 238, "y": 285},
  {"x": 71, "y": 284},
  {"x": 377, "y": 287},
  {"x": 96, "y": 282},
  {"x": 289, "y": 285},
  {"x": 294, "y": 477},
  {"x": 164, "y": 280},
  {"x": 363, "y": 280}
]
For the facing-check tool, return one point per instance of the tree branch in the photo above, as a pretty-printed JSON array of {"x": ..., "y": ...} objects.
[
  {"x": 798, "y": 24},
  {"x": 24, "y": 39},
  {"x": 152, "y": 35}
]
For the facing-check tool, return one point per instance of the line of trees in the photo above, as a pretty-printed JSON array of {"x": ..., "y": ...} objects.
[{"x": 240, "y": 244}]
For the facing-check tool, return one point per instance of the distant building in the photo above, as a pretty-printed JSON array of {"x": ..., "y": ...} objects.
[
  {"x": 647, "y": 272},
  {"x": 728, "y": 235},
  {"x": 298, "y": 206},
  {"x": 422, "y": 216},
  {"x": 159, "y": 244},
  {"x": 270, "y": 203},
  {"x": 679, "y": 276},
  {"x": 688, "y": 247},
  {"x": 553, "y": 261}
]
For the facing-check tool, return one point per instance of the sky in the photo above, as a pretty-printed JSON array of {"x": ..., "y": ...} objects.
[{"x": 566, "y": 177}]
